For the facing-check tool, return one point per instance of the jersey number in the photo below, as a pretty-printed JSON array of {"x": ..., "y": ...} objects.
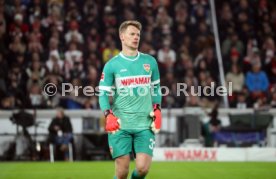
[{"x": 152, "y": 143}]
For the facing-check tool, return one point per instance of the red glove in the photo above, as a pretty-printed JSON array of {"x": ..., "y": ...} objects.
[
  {"x": 157, "y": 118},
  {"x": 112, "y": 123}
]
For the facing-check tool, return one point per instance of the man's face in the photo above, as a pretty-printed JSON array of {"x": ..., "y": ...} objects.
[
  {"x": 59, "y": 115},
  {"x": 130, "y": 37}
]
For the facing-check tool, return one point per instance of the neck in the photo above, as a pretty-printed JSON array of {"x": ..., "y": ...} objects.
[{"x": 129, "y": 52}]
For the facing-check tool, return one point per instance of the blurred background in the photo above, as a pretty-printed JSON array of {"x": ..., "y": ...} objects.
[{"x": 56, "y": 41}]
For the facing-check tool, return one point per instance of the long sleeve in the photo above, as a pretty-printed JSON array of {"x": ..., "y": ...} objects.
[
  {"x": 264, "y": 81},
  {"x": 105, "y": 87},
  {"x": 250, "y": 82},
  {"x": 104, "y": 100},
  {"x": 155, "y": 82},
  {"x": 67, "y": 125},
  {"x": 51, "y": 126}
]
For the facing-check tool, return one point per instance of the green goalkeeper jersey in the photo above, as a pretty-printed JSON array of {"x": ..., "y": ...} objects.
[{"x": 134, "y": 84}]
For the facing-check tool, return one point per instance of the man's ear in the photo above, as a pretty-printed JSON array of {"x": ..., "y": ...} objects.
[{"x": 122, "y": 37}]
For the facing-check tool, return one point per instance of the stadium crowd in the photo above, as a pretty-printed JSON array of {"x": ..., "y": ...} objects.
[{"x": 56, "y": 41}]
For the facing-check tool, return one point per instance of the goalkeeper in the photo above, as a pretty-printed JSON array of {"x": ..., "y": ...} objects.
[{"x": 132, "y": 78}]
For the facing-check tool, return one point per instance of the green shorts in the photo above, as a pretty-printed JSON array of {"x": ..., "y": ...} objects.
[{"x": 124, "y": 142}]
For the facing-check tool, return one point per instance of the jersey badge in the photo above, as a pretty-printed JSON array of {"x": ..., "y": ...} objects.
[{"x": 147, "y": 67}]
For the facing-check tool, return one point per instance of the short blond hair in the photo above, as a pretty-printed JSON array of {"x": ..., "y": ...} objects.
[{"x": 125, "y": 24}]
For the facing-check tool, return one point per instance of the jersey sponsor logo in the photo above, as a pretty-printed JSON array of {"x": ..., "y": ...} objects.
[
  {"x": 147, "y": 67},
  {"x": 102, "y": 77},
  {"x": 133, "y": 81}
]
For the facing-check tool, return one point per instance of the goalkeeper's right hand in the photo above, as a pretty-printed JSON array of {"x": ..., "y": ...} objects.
[{"x": 112, "y": 123}]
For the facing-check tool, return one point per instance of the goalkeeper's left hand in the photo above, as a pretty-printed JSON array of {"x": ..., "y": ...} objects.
[{"x": 157, "y": 118}]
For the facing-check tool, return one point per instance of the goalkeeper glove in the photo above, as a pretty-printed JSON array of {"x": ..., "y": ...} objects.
[
  {"x": 157, "y": 118},
  {"x": 112, "y": 123}
]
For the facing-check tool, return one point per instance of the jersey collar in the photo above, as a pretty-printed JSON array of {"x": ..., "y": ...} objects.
[{"x": 126, "y": 58}]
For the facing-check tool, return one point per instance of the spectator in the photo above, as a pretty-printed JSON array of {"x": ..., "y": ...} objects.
[
  {"x": 75, "y": 99},
  {"x": 16, "y": 87},
  {"x": 211, "y": 128},
  {"x": 166, "y": 56},
  {"x": 93, "y": 37},
  {"x": 211, "y": 62},
  {"x": 225, "y": 20},
  {"x": 55, "y": 16},
  {"x": 54, "y": 101},
  {"x": 163, "y": 20},
  {"x": 234, "y": 60},
  {"x": 241, "y": 102},
  {"x": 36, "y": 98},
  {"x": 261, "y": 104},
  {"x": 93, "y": 60},
  {"x": 61, "y": 133},
  {"x": 37, "y": 9},
  {"x": 257, "y": 81},
  {"x": 236, "y": 77},
  {"x": 269, "y": 50},
  {"x": 34, "y": 44},
  {"x": 232, "y": 41},
  {"x": 35, "y": 72},
  {"x": 54, "y": 61},
  {"x": 253, "y": 57},
  {"x": 91, "y": 13},
  {"x": 18, "y": 27},
  {"x": 110, "y": 51},
  {"x": 181, "y": 12},
  {"x": 74, "y": 32},
  {"x": 91, "y": 77},
  {"x": 53, "y": 46},
  {"x": 72, "y": 56},
  {"x": 92, "y": 47},
  {"x": 77, "y": 70},
  {"x": 17, "y": 46},
  {"x": 182, "y": 65},
  {"x": 209, "y": 99},
  {"x": 72, "y": 11}
]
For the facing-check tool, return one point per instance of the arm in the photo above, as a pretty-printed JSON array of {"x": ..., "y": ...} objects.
[
  {"x": 51, "y": 127},
  {"x": 155, "y": 82},
  {"x": 249, "y": 82},
  {"x": 105, "y": 87},
  {"x": 264, "y": 81},
  {"x": 68, "y": 125},
  {"x": 104, "y": 100},
  {"x": 156, "y": 100}
]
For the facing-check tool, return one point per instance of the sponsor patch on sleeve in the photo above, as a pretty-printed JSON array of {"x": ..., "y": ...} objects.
[{"x": 102, "y": 77}]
